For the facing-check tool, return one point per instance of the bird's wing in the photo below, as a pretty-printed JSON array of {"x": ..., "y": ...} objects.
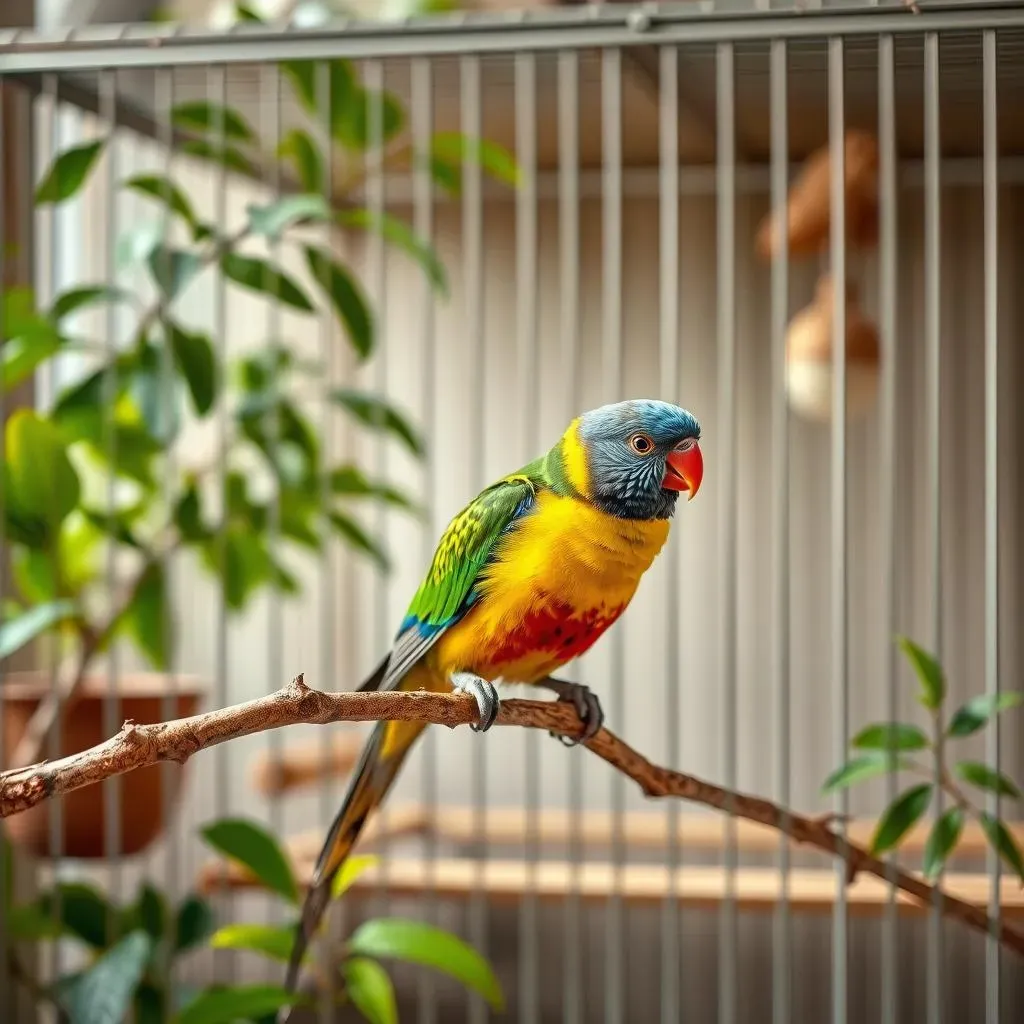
[{"x": 449, "y": 588}]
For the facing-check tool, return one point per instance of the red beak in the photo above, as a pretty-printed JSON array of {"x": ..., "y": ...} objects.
[{"x": 685, "y": 470}]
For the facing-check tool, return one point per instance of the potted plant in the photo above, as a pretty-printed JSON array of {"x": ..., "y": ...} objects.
[{"x": 111, "y": 495}]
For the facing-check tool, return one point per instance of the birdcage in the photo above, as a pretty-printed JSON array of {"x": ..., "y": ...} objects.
[{"x": 427, "y": 245}]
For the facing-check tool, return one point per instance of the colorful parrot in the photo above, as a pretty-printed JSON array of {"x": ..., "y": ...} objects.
[{"x": 524, "y": 579}]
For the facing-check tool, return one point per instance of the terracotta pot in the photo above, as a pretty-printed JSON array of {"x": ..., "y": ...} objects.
[
  {"x": 145, "y": 795},
  {"x": 809, "y": 356}
]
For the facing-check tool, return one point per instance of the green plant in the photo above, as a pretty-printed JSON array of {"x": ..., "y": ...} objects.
[
  {"x": 885, "y": 747},
  {"x": 109, "y": 492}
]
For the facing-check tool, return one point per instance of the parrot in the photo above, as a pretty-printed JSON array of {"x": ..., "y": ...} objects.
[{"x": 525, "y": 578}]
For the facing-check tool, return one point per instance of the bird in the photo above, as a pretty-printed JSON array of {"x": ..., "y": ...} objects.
[{"x": 525, "y": 578}]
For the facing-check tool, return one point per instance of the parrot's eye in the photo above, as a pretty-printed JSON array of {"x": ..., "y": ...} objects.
[{"x": 641, "y": 444}]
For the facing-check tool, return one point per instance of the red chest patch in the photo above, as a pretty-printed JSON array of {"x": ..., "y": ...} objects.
[{"x": 556, "y": 628}]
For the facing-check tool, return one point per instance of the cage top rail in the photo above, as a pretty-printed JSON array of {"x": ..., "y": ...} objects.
[{"x": 604, "y": 25}]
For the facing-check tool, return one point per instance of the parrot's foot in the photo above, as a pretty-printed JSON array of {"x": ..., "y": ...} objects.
[
  {"x": 484, "y": 693},
  {"x": 587, "y": 706}
]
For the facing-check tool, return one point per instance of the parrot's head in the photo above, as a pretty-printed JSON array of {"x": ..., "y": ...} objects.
[{"x": 638, "y": 455}]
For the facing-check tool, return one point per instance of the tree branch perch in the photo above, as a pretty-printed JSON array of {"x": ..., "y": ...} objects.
[{"x": 137, "y": 746}]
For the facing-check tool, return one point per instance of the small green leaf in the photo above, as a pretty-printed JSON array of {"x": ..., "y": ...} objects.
[
  {"x": 261, "y": 276},
  {"x": 202, "y": 116},
  {"x": 16, "y": 633},
  {"x": 68, "y": 172},
  {"x": 23, "y": 354},
  {"x": 369, "y": 987},
  {"x": 273, "y": 941},
  {"x": 103, "y": 992},
  {"x": 137, "y": 244},
  {"x": 972, "y": 715},
  {"x": 173, "y": 269},
  {"x": 152, "y": 912},
  {"x": 941, "y": 840},
  {"x": 164, "y": 191},
  {"x": 348, "y": 528},
  {"x": 349, "y": 481},
  {"x": 27, "y": 923},
  {"x": 197, "y": 363},
  {"x": 193, "y": 924},
  {"x": 891, "y": 736},
  {"x": 984, "y": 777},
  {"x": 229, "y": 156},
  {"x": 859, "y": 769},
  {"x": 255, "y": 849},
  {"x": 76, "y": 298},
  {"x": 454, "y": 150},
  {"x": 83, "y": 910},
  {"x": 40, "y": 477},
  {"x": 298, "y": 147},
  {"x": 188, "y": 516},
  {"x": 1001, "y": 840},
  {"x": 146, "y": 616},
  {"x": 274, "y": 219},
  {"x": 150, "y": 1004},
  {"x": 399, "y": 233},
  {"x": 237, "y": 1003},
  {"x": 238, "y": 557},
  {"x": 345, "y": 295},
  {"x": 350, "y": 870},
  {"x": 369, "y": 118},
  {"x": 900, "y": 816},
  {"x": 929, "y": 673},
  {"x": 306, "y": 77},
  {"x": 419, "y": 943}
]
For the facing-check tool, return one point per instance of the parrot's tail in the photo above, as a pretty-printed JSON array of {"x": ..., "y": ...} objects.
[{"x": 381, "y": 760}]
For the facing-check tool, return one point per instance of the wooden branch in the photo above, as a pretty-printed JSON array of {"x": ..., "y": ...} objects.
[{"x": 136, "y": 746}]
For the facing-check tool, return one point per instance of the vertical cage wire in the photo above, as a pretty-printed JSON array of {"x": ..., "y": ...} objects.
[
  {"x": 526, "y": 346},
  {"x": 840, "y": 640},
  {"x": 783, "y": 934},
  {"x": 611, "y": 344},
  {"x": 668, "y": 322},
  {"x": 422, "y": 84},
  {"x": 476, "y": 357},
  {"x": 725, "y": 188},
  {"x": 990, "y": 174},
  {"x": 887, "y": 291},
  {"x": 111, "y": 704},
  {"x": 573, "y": 1005},
  {"x": 933, "y": 400}
]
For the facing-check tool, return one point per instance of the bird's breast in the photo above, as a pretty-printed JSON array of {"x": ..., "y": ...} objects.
[{"x": 558, "y": 580}]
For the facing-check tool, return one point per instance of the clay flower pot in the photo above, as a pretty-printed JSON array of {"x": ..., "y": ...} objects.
[
  {"x": 145, "y": 796},
  {"x": 809, "y": 212},
  {"x": 809, "y": 356}
]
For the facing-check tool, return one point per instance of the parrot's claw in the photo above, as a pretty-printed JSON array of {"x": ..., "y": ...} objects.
[
  {"x": 587, "y": 706},
  {"x": 484, "y": 693}
]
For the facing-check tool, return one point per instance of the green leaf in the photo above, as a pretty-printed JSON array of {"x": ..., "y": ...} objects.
[
  {"x": 350, "y": 870},
  {"x": 984, "y": 777},
  {"x": 255, "y": 849},
  {"x": 929, "y": 673},
  {"x": 41, "y": 480},
  {"x": 349, "y": 481},
  {"x": 306, "y": 77},
  {"x": 941, "y": 840},
  {"x": 193, "y": 924},
  {"x": 165, "y": 191},
  {"x": 274, "y": 219},
  {"x": 345, "y": 295},
  {"x": 188, "y": 516},
  {"x": 103, "y": 993},
  {"x": 1001, "y": 840},
  {"x": 197, "y": 363},
  {"x": 273, "y": 941},
  {"x": 146, "y": 616},
  {"x": 173, "y": 269},
  {"x": 972, "y": 715},
  {"x": 67, "y": 174},
  {"x": 348, "y": 528},
  {"x": 359, "y": 125},
  {"x": 229, "y": 156},
  {"x": 377, "y": 413},
  {"x": 16, "y": 633},
  {"x": 243, "y": 565},
  {"x": 298, "y": 147},
  {"x": 23, "y": 354},
  {"x": 77, "y": 298},
  {"x": 891, "y": 736},
  {"x": 151, "y": 909},
  {"x": 202, "y": 116},
  {"x": 370, "y": 989},
  {"x": 261, "y": 276},
  {"x": 399, "y": 233},
  {"x": 35, "y": 573},
  {"x": 237, "y": 1003},
  {"x": 860, "y": 769},
  {"x": 27, "y": 923},
  {"x": 452, "y": 150},
  {"x": 83, "y": 910},
  {"x": 900, "y": 816},
  {"x": 150, "y": 1004},
  {"x": 419, "y": 943}
]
